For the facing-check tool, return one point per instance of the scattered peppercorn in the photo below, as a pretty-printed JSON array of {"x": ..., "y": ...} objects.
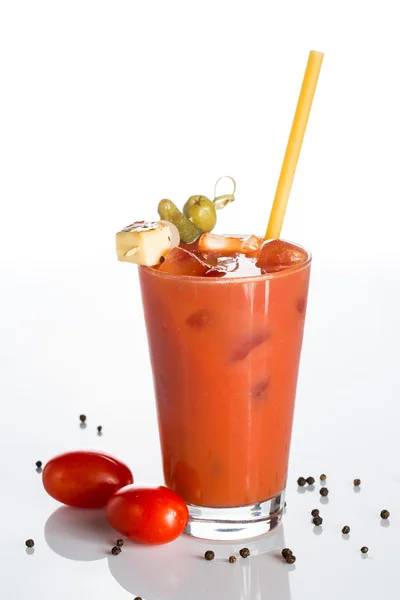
[
  {"x": 38, "y": 463},
  {"x": 324, "y": 491},
  {"x": 385, "y": 514},
  {"x": 209, "y": 555},
  {"x": 286, "y": 552},
  {"x": 364, "y": 549},
  {"x": 290, "y": 559},
  {"x": 99, "y": 428},
  {"x": 315, "y": 512},
  {"x": 317, "y": 521},
  {"x": 120, "y": 543},
  {"x": 116, "y": 550},
  {"x": 301, "y": 481},
  {"x": 244, "y": 552},
  {"x": 346, "y": 529},
  {"x": 310, "y": 480},
  {"x": 29, "y": 543},
  {"x": 82, "y": 418},
  {"x": 322, "y": 477},
  {"x": 232, "y": 559},
  {"x": 137, "y": 598},
  {"x": 357, "y": 482}
]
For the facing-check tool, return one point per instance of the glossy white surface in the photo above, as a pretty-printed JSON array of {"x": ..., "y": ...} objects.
[{"x": 69, "y": 346}]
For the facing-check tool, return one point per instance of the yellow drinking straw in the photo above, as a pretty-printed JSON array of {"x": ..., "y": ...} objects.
[{"x": 294, "y": 144}]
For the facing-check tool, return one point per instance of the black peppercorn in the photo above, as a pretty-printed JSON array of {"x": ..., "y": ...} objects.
[
  {"x": 357, "y": 482},
  {"x": 317, "y": 521},
  {"x": 346, "y": 530},
  {"x": 232, "y": 559},
  {"x": 99, "y": 428},
  {"x": 244, "y": 552},
  {"x": 324, "y": 491},
  {"x": 310, "y": 480},
  {"x": 291, "y": 559},
  {"x": 315, "y": 512},
  {"x": 301, "y": 481},
  {"x": 286, "y": 552},
  {"x": 322, "y": 477},
  {"x": 364, "y": 549},
  {"x": 116, "y": 550},
  {"x": 120, "y": 543},
  {"x": 385, "y": 514},
  {"x": 82, "y": 418},
  {"x": 209, "y": 555},
  {"x": 29, "y": 543},
  {"x": 38, "y": 464}
]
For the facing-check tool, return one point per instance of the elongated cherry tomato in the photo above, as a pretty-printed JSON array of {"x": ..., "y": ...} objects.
[
  {"x": 85, "y": 479},
  {"x": 148, "y": 515}
]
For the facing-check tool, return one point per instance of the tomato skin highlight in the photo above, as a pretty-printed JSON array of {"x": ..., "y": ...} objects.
[
  {"x": 148, "y": 515},
  {"x": 85, "y": 479}
]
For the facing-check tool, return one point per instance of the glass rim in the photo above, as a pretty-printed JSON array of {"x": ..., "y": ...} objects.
[{"x": 233, "y": 280}]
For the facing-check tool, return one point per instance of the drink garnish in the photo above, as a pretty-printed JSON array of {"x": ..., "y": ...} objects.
[
  {"x": 222, "y": 200},
  {"x": 202, "y": 212},
  {"x": 211, "y": 242},
  {"x": 145, "y": 242},
  {"x": 188, "y": 231}
]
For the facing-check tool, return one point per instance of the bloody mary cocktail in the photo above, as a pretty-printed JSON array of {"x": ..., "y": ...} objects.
[{"x": 225, "y": 355}]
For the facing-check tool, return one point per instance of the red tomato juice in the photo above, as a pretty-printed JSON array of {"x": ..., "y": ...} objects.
[{"x": 225, "y": 355}]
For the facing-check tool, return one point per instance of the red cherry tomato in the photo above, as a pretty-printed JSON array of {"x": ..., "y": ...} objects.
[
  {"x": 148, "y": 515},
  {"x": 85, "y": 479}
]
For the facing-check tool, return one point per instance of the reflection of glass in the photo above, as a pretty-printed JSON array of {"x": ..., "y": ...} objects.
[
  {"x": 175, "y": 571},
  {"x": 225, "y": 355}
]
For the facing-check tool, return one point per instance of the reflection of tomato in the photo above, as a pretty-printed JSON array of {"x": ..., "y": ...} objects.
[
  {"x": 148, "y": 515},
  {"x": 185, "y": 480},
  {"x": 85, "y": 479}
]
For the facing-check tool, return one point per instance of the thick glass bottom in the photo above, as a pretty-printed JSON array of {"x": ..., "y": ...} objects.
[{"x": 237, "y": 523}]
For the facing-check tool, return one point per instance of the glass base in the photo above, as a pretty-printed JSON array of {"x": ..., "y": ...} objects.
[{"x": 237, "y": 523}]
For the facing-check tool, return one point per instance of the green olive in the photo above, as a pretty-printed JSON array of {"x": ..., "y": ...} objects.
[
  {"x": 188, "y": 231},
  {"x": 201, "y": 211}
]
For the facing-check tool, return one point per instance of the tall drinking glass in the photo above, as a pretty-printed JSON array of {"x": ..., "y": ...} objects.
[{"x": 225, "y": 355}]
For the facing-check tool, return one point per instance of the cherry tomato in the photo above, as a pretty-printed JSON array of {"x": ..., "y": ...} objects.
[
  {"x": 85, "y": 479},
  {"x": 148, "y": 515}
]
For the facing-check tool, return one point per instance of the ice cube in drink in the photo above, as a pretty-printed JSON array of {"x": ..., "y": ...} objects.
[{"x": 276, "y": 255}]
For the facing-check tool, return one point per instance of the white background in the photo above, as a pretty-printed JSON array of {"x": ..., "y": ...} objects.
[{"x": 107, "y": 107}]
